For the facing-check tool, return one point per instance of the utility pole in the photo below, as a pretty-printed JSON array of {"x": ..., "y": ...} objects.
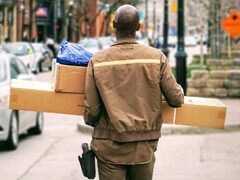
[
  {"x": 165, "y": 29},
  {"x": 30, "y": 19},
  {"x": 78, "y": 20},
  {"x": 1, "y": 22},
  {"x": 70, "y": 20},
  {"x": 55, "y": 20},
  {"x": 181, "y": 55},
  {"x": 146, "y": 19},
  {"x": 64, "y": 11},
  {"x": 215, "y": 36},
  {"x": 23, "y": 17},
  {"x": 154, "y": 20}
]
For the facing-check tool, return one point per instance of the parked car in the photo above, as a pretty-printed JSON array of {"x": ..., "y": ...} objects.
[
  {"x": 96, "y": 44},
  {"x": 44, "y": 56},
  {"x": 1, "y": 50},
  {"x": 92, "y": 45},
  {"x": 106, "y": 42},
  {"x": 83, "y": 41},
  {"x": 190, "y": 41},
  {"x": 172, "y": 41},
  {"x": 26, "y": 52},
  {"x": 15, "y": 122}
]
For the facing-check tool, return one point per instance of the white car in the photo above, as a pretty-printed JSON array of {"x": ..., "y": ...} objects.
[
  {"x": 44, "y": 56},
  {"x": 25, "y": 52},
  {"x": 190, "y": 41},
  {"x": 92, "y": 45},
  {"x": 15, "y": 122}
]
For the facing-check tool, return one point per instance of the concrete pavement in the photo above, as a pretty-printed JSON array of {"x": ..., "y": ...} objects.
[
  {"x": 198, "y": 157},
  {"x": 195, "y": 153}
]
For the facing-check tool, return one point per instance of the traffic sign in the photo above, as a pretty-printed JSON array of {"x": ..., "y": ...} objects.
[{"x": 232, "y": 24}]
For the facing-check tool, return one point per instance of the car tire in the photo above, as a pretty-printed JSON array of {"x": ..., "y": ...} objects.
[
  {"x": 36, "y": 71},
  {"x": 38, "y": 128},
  {"x": 12, "y": 140}
]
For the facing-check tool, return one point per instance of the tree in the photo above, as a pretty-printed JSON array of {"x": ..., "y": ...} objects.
[
  {"x": 106, "y": 7},
  {"x": 211, "y": 13}
]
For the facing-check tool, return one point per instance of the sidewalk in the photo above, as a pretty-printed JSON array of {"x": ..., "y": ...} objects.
[
  {"x": 198, "y": 157},
  {"x": 195, "y": 153}
]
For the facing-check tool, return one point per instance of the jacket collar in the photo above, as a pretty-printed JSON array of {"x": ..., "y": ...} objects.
[{"x": 125, "y": 41}]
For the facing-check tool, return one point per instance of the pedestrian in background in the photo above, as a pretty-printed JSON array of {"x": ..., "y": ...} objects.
[
  {"x": 123, "y": 101},
  {"x": 7, "y": 40},
  {"x": 51, "y": 45}
]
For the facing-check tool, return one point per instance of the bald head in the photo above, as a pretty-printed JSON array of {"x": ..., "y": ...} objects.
[{"x": 126, "y": 21}]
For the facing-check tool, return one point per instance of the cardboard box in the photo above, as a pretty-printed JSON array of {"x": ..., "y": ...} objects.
[
  {"x": 66, "y": 78},
  {"x": 39, "y": 96},
  {"x": 167, "y": 113},
  {"x": 205, "y": 112}
]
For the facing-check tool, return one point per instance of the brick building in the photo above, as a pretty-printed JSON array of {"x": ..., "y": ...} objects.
[{"x": 35, "y": 20}]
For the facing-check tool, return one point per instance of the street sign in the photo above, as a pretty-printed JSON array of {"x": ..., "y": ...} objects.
[
  {"x": 41, "y": 12},
  {"x": 232, "y": 24}
]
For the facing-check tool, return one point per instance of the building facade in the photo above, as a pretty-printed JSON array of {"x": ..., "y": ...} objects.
[{"x": 35, "y": 20}]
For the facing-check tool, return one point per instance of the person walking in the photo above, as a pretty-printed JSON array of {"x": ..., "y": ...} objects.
[{"x": 123, "y": 101}]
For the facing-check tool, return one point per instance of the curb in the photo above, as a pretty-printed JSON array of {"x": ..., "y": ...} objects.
[
  {"x": 175, "y": 130},
  {"x": 199, "y": 130}
]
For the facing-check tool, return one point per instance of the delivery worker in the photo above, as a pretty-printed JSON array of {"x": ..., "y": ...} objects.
[{"x": 123, "y": 101}]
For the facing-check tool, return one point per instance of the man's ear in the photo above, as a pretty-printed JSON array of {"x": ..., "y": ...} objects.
[
  {"x": 138, "y": 26},
  {"x": 114, "y": 24}
]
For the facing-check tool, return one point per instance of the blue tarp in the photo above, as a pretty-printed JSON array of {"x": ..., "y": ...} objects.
[{"x": 73, "y": 54}]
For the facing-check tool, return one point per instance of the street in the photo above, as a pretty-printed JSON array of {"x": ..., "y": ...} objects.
[{"x": 53, "y": 155}]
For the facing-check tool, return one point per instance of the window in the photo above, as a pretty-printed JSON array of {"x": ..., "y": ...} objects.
[
  {"x": 16, "y": 48},
  {"x": 17, "y": 67},
  {"x": 14, "y": 69},
  {"x": 22, "y": 67}
]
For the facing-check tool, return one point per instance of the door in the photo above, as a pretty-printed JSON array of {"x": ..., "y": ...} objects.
[
  {"x": 18, "y": 69},
  {"x": 4, "y": 99}
]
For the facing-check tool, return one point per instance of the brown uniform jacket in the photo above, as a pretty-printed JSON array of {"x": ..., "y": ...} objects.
[{"x": 124, "y": 88}]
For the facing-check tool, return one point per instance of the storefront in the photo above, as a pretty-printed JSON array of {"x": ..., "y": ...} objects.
[{"x": 6, "y": 20}]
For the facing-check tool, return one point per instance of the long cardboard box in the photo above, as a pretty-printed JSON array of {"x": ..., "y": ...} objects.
[
  {"x": 39, "y": 96},
  {"x": 66, "y": 78},
  {"x": 205, "y": 112}
]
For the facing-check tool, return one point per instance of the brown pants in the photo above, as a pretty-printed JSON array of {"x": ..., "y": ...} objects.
[{"x": 125, "y": 172}]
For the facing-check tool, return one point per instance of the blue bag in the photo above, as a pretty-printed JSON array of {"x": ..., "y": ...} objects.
[{"x": 73, "y": 54}]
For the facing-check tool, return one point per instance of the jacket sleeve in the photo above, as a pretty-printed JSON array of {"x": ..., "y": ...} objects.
[
  {"x": 171, "y": 90},
  {"x": 92, "y": 100}
]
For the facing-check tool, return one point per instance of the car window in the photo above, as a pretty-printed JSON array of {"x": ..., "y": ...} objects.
[
  {"x": 38, "y": 47},
  {"x": 30, "y": 48},
  {"x": 105, "y": 43},
  {"x": 21, "y": 66},
  {"x": 14, "y": 69},
  {"x": 91, "y": 44},
  {"x": 17, "y": 68},
  {"x": 16, "y": 48},
  {"x": 3, "y": 71}
]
